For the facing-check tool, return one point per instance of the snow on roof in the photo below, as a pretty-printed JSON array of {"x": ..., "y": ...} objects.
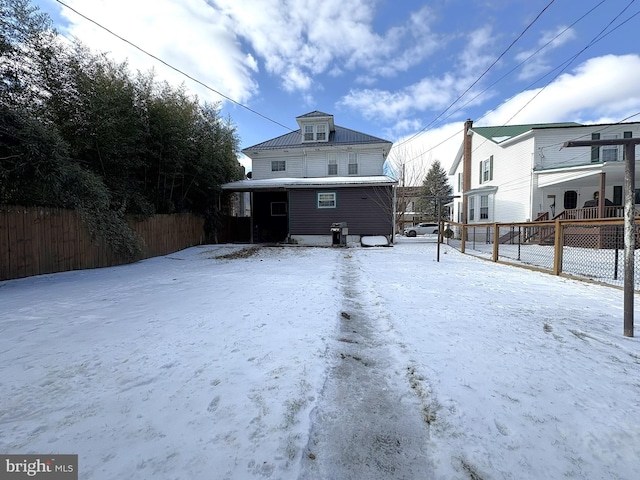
[{"x": 310, "y": 182}]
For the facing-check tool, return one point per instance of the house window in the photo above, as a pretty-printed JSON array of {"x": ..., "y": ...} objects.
[
  {"x": 308, "y": 133},
  {"x": 353, "y": 163},
  {"x": 321, "y": 132},
  {"x": 484, "y": 207},
  {"x": 316, "y": 133},
  {"x": 459, "y": 212},
  {"x": 486, "y": 170},
  {"x": 278, "y": 165},
  {"x": 326, "y": 199},
  {"x": 278, "y": 209},
  {"x": 332, "y": 168},
  {"x": 459, "y": 182},
  {"x": 610, "y": 153},
  {"x": 637, "y": 196},
  {"x": 471, "y": 208}
]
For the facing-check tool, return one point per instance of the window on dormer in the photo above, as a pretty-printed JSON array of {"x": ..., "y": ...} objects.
[
  {"x": 321, "y": 132},
  {"x": 308, "y": 133},
  {"x": 317, "y": 132}
]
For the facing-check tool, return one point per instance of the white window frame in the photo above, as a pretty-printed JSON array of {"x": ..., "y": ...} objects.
[
  {"x": 321, "y": 132},
  {"x": 484, "y": 207},
  {"x": 610, "y": 150},
  {"x": 278, "y": 165},
  {"x": 308, "y": 133},
  {"x": 486, "y": 170},
  {"x": 326, "y": 200},
  {"x": 352, "y": 160},
  {"x": 471, "y": 208},
  {"x": 332, "y": 164},
  {"x": 315, "y": 132}
]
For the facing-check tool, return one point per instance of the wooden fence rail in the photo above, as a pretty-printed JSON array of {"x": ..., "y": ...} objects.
[{"x": 37, "y": 240}]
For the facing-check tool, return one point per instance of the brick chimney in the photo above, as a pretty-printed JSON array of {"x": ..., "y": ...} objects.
[{"x": 466, "y": 166}]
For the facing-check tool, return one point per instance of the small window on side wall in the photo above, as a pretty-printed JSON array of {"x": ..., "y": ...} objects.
[
  {"x": 278, "y": 165},
  {"x": 353, "y": 163},
  {"x": 326, "y": 199},
  {"x": 332, "y": 168}
]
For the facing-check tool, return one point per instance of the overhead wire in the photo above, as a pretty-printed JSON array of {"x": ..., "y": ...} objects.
[
  {"x": 481, "y": 75},
  {"x": 199, "y": 82},
  {"x": 601, "y": 35},
  {"x": 567, "y": 64}
]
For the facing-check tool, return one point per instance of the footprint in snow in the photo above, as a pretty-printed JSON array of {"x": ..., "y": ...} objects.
[{"x": 213, "y": 406}]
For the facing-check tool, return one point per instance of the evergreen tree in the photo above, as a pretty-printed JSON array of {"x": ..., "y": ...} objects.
[{"x": 435, "y": 184}]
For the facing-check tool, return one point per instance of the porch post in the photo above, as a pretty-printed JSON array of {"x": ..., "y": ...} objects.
[{"x": 601, "y": 202}]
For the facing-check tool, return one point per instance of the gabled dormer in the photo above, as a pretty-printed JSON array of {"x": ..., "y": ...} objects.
[{"x": 315, "y": 127}]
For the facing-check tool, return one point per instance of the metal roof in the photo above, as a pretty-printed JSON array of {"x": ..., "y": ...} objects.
[
  {"x": 507, "y": 132},
  {"x": 315, "y": 113},
  {"x": 340, "y": 137}
]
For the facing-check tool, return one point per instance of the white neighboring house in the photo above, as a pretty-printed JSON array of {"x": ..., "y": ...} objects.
[
  {"x": 305, "y": 181},
  {"x": 521, "y": 173}
]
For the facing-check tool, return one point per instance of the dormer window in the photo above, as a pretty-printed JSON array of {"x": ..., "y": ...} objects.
[
  {"x": 321, "y": 132},
  {"x": 308, "y": 133},
  {"x": 316, "y": 132}
]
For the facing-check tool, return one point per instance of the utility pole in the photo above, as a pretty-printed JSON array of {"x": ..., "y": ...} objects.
[
  {"x": 439, "y": 200},
  {"x": 629, "y": 218}
]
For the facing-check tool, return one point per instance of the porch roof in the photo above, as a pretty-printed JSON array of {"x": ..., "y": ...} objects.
[{"x": 310, "y": 182}]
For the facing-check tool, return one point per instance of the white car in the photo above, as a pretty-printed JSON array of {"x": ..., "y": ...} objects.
[{"x": 421, "y": 229}]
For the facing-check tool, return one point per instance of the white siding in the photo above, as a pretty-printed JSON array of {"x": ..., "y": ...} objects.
[
  {"x": 314, "y": 163},
  {"x": 261, "y": 167},
  {"x": 370, "y": 162},
  {"x": 317, "y": 164},
  {"x": 549, "y": 141}
]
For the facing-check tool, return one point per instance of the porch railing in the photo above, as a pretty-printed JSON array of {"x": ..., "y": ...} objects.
[{"x": 590, "y": 213}]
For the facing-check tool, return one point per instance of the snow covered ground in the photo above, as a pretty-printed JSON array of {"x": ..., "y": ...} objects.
[{"x": 318, "y": 363}]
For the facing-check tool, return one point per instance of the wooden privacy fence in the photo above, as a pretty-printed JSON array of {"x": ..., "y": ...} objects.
[{"x": 37, "y": 240}]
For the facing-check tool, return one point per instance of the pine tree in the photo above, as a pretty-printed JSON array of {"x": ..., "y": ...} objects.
[{"x": 435, "y": 184}]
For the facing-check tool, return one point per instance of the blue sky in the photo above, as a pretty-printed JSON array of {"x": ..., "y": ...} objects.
[{"x": 388, "y": 68}]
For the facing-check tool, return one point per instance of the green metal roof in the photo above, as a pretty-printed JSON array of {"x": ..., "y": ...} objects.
[{"x": 507, "y": 132}]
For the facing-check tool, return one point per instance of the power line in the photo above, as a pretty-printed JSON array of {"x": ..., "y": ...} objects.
[
  {"x": 176, "y": 69},
  {"x": 567, "y": 63},
  {"x": 480, "y": 77},
  {"x": 564, "y": 66}
]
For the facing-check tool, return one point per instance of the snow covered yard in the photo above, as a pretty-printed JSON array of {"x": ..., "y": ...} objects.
[{"x": 291, "y": 363}]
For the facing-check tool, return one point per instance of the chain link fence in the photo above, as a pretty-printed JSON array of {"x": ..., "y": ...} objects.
[{"x": 592, "y": 250}]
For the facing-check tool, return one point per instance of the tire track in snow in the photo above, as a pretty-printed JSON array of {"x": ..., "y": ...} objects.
[{"x": 369, "y": 422}]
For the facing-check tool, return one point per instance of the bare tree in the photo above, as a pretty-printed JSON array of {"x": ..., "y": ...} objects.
[{"x": 407, "y": 166}]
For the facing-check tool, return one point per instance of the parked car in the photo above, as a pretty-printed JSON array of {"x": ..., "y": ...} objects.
[{"x": 421, "y": 229}]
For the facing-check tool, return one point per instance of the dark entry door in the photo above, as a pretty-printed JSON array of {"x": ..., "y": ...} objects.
[{"x": 270, "y": 216}]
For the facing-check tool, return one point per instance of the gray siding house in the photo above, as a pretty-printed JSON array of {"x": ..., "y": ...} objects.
[{"x": 305, "y": 181}]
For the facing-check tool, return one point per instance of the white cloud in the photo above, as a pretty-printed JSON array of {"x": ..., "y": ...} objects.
[
  {"x": 300, "y": 37},
  {"x": 440, "y": 144},
  {"x": 435, "y": 94},
  {"x": 536, "y": 61},
  {"x": 189, "y": 35},
  {"x": 600, "y": 90},
  {"x": 601, "y": 87}
]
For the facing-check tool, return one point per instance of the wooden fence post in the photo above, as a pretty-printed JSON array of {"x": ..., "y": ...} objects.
[{"x": 557, "y": 248}]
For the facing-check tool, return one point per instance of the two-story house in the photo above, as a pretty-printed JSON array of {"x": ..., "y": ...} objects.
[
  {"x": 305, "y": 181},
  {"x": 522, "y": 173}
]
